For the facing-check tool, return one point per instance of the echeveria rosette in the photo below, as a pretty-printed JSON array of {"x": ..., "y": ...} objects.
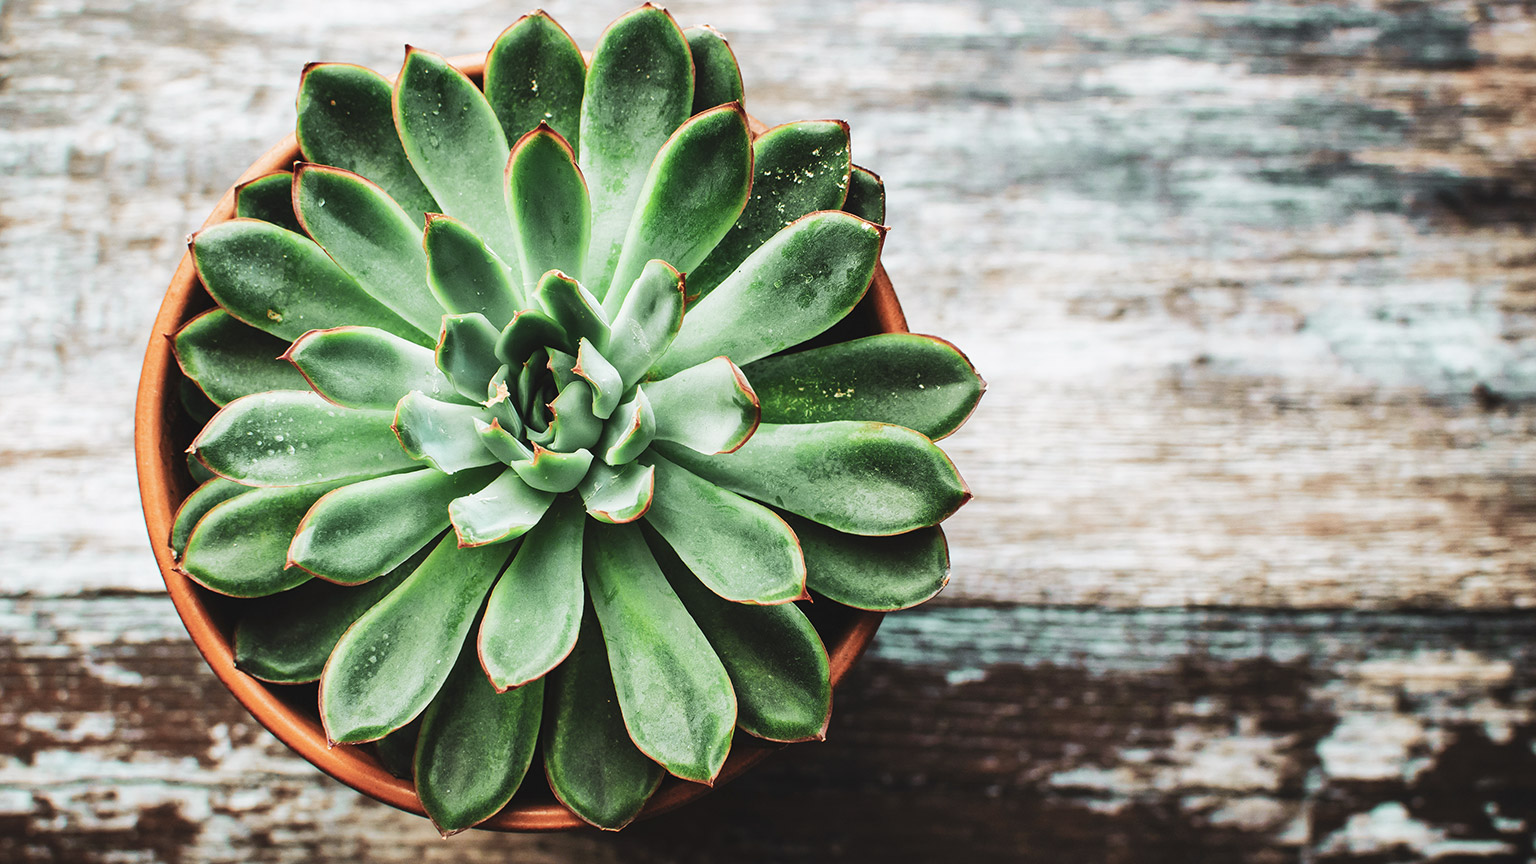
[{"x": 517, "y": 428}]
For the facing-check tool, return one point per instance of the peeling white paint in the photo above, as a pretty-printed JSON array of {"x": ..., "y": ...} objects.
[{"x": 1390, "y": 826}]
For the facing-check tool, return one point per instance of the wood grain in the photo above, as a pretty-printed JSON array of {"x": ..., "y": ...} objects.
[{"x": 1254, "y": 286}]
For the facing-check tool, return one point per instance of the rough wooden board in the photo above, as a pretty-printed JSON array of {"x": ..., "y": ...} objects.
[
  {"x": 983, "y": 733},
  {"x": 1251, "y": 283}
]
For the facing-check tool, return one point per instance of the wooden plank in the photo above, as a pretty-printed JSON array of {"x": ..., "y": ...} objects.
[{"x": 989, "y": 733}]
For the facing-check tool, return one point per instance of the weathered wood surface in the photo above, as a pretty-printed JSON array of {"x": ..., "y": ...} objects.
[{"x": 1253, "y": 287}]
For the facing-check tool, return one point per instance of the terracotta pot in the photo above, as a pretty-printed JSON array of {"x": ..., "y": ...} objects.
[{"x": 162, "y": 432}]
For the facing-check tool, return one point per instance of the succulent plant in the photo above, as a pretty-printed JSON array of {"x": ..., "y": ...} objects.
[{"x": 493, "y": 470}]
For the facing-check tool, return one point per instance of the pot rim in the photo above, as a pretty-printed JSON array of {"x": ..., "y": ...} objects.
[{"x": 162, "y": 488}]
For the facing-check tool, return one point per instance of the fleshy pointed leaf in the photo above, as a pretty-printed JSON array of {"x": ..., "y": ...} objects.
[
  {"x": 441, "y": 434},
  {"x": 618, "y": 495},
  {"x": 286, "y": 638},
  {"x": 197, "y": 470},
  {"x": 475, "y": 748},
  {"x": 674, "y": 693},
  {"x": 573, "y": 307},
  {"x": 548, "y": 202},
  {"x": 777, "y": 663},
  {"x": 803, "y": 280},
  {"x": 629, "y": 431},
  {"x": 194, "y": 402},
  {"x": 860, "y": 478},
  {"x": 397, "y": 750},
  {"x": 346, "y": 120},
  {"x": 574, "y": 426},
  {"x": 639, "y": 89},
  {"x": 229, "y": 359},
  {"x": 592, "y": 765},
  {"x": 465, "y": 275},
  {"x": 365, "y": 367},
  {"x": 647, "y": 322},
  {"x": 742, "y": 550},
  {"x": 205, "y": 497},
  {"x": 528, "y": 332},
  {"x": 389, "y": 665},
  {"x": 466, "y": 353},
  {"x": 866, "y": 195},
  {"x": 502, "y": 443},
  {"x": 550, "y": 471},
  {"x": 882, "y": 574},
  {"x": 240, "y": 547},
  {"x": 692, "y": 195},
  {"x": 797, "y": 169},
  {"x": 535, "y": 74},
  {"x": 534, "y": 613},
  {"x": 290, "y": 438},
  {"x": 268, "y": 198},
  {"x": 505, "y": 510},
  {"x": 370, "y": 237},
  {"x": 362, "y": 531},
  {"x": 709, "y": 408},
  {"x": 607, "y": 385},
  {"x": 716, "y": 77},
  {"x": 920, "y": 382},
  {"x": 281, "y": 282},
  {"x": 456, "y": 145}
]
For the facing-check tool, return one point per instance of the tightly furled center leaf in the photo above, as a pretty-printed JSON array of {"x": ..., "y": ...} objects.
[{"x": 462, "y": 368}]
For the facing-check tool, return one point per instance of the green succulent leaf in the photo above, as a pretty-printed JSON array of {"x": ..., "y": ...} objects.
[
  {"x": 777, "y": 663},
  {"x": 674, "y": 693},
  {"x": 709, "y": 408},
  {"x": 365, "y": 367},
  {"x": 742, "y": 550},
  {"x": 574, "y": 308},
  {"x": 639, "y": 89},
  {"x": 716, "y": 77},
  {"x": 466, "y": 353},
  {"x": 281, "y": 282},
  {"x": 456, "y": 145},
  {"x": 692, "y": 195},
  {"x": 397, "y": 750},
  {"x": 240, "y": 547},
  {"x": 286, "y": 638},
  {"x": 552, "y": 471},
  {"x": 574, "y": 426},
  {"x": 346, "y": 120},
  {"x": 197, "y": 470},
  {"x": 465, "y": 275},
  {"x": 534, "y": 613},
  {"x": 502, "y": 443},
  {"x": 193, "y": 401},
  {"x": 866, "y": 195},
  {"x": 592, "y": 765},
  {"x": 528, "y": 332},
  {"x": 441, "y": 434},
  {"x": 882, "y": 574},
  {"x": 362, "y": 531},
  {"x": 856, "y": 477},
  {"x": 803, "y": 280},
  {"x": 205, "y": 497},
  {"x": 229, "y": 359},
  {"x": 647, "y": 322},
  {"x": 475, "y": 747},
  {"x": 505, "y": 510},
  {"x": 389, "y": 665},
  {"x": 618, "y": 495},
  {"x": 290, "y": 438},
  {"x": 370, "y": 236},
  {"x": 921, "y": 382},
  {"x": 629, "y": 431},
  {"x": 268, "y": 198},
  {"x": 607, "y": 384},
  {"x": 548, "y": 201},
  {"x": 535, "y": 74},
  {"x": 797, "y": 169}
]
